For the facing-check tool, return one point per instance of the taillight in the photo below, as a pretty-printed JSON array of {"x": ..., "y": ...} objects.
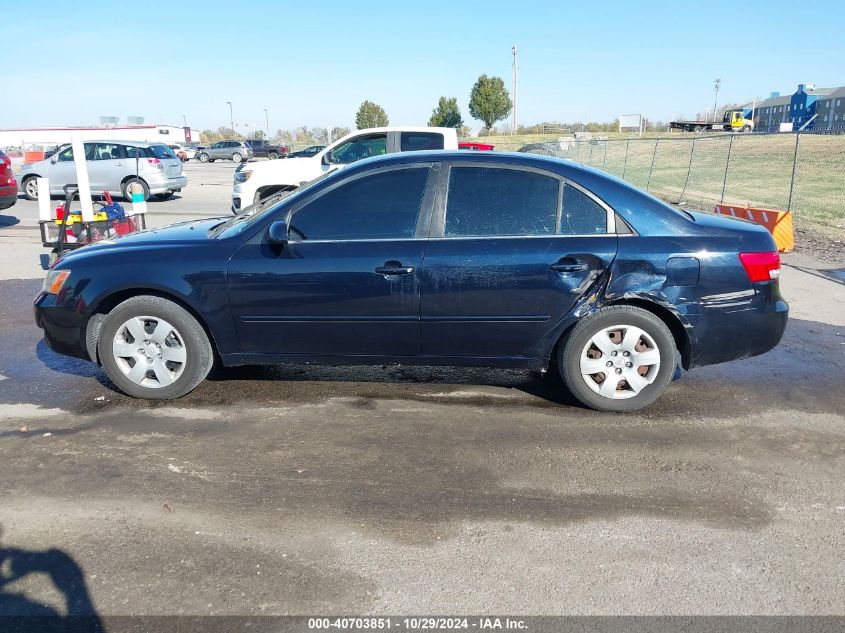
[
  {"x": 761, "y": 266},
  {"x": 155, "y": 162}
]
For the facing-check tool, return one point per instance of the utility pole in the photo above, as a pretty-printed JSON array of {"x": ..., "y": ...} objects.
[
  {"x": 231, "y": 118},
  {"x": 267, "y": 122},
  {"x": 515, "y": 73},
  {"x": 717, "y": 84}
]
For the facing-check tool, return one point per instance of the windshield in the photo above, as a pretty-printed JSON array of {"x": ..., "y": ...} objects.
[{"x": 249, "y": 215}]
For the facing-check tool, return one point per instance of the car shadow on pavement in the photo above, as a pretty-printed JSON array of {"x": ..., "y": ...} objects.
[
  {"x": 836, "y": 275},
  {"x": 8, "y": 220},
  {"x": 22, "y": 611}
]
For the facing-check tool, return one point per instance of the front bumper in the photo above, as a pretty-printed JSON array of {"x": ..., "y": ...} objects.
[
  {"x": 64, "y": 329},
  {"x": 8, "y": 197}
]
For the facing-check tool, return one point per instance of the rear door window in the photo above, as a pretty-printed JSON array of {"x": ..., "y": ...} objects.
[
  {"x": 109, "y": 151},
  {"x": 489, "y": 202},
  {"x": 377, "y": 207},
  {"x": 416, "y": 141}
]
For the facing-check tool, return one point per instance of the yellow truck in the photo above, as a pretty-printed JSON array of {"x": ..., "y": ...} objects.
[{"x": 733, "y": 121}]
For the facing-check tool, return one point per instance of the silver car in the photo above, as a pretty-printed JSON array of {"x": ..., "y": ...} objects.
[
  {"x": 237, "y": 151},
  {"x": 112, "y": 166}
]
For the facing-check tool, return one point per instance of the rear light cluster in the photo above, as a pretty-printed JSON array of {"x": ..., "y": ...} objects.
[
  {"x": 155, "y": 162},
  {"x": 761, "y": 266}
]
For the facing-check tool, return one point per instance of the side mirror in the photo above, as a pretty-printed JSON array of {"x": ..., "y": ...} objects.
[
  {"x": 327, "y": 158},
  {"x": 54, "y": 158},
  {"x": 278, "y": 233}
]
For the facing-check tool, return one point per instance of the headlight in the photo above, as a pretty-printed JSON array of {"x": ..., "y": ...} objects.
[
  {"x": 243, "y": 176},
  {"x": 54, "y": 281}
]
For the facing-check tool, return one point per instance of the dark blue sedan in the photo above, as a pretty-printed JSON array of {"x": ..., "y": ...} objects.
[{"x": 433, "y": 258}]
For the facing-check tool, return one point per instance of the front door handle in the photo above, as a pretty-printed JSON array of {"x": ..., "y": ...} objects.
[
  {"x": 394, "y": 268},
  {"x": 569, "y": 267}
]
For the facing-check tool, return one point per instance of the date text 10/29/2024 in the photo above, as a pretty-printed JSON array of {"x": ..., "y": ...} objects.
[{"x": 417, "y": 623}]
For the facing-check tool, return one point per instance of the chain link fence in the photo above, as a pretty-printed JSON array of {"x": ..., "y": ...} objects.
[{"x": 800, "y": 172}]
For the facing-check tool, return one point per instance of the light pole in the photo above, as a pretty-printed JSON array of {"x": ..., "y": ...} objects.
[
  {"x": 184, "y": 121},
  {"x": 267, "y": 122},
  {"x": 717, "y": 84},
  {"x": 231, "y": 118}
]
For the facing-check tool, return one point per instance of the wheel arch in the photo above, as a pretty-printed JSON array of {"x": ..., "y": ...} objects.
[
  {"x": 672, "y": 321},
  {"x": 106, "y": 304}
]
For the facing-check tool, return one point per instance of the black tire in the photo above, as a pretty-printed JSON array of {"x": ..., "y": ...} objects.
[
  {"x": 746, "y": 128},
  {"x": 53, "y": 257},
  {"x": 164, "y": 196},
  {"x": 127, "y": 196},
  {"x": 570, "y": 350},
  {"x": 273, "y": 155},
  {"x": 198, "y": 350},
  {"x": 202, "y": 157},
  {"x": 211, "y": 160},
  {"x": 30, "y": 182}
]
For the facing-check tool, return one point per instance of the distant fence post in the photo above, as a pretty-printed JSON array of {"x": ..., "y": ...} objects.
[
  {"x": 689, "y": 171},
  {"x": 727, "y": 166},
  {"x": 577, "y": 150},
  {"x": 590, "y": 159},
  {"x": 651, "y": 169},
  {"x": 604, "y": 160},
  {"x": 792, "y": 179},
  {"x": 625, "y": 163}
]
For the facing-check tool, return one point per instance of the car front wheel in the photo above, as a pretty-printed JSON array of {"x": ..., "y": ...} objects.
[
  {"x": 620, "y": 358},
  {"x": 203, "y": 158},
  {"x": 153, "y": 348}
]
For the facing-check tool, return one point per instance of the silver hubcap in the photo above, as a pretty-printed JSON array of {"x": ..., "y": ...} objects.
[
  {"x": 620, "y": 361},
  {"x": 236, "y": 158},
  {"x": 32, "y": 188},
  {"x": 203, "y": 158},
  {"x": 149, "y": 351}
]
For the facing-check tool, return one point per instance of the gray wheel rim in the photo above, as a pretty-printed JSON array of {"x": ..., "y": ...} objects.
[
  {"x": 620, "y": 361},
  {"x": 203, "y": 158},
  {"x": 149, "y": 351},
  {"x": 236, "y": 157},
  {"x": 32, "y": 187}
]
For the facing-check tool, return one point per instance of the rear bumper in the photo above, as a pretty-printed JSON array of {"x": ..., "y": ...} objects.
[
  {"x": 740, "y": 331},
  {"x": 168, "y": 184},
  {"x": 64, "y": 329}
]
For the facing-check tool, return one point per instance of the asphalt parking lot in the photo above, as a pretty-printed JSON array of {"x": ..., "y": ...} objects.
[{"x": 426, "y": 490}]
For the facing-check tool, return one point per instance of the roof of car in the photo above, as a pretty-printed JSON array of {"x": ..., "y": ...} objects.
[{"x": 112, "y": 141}]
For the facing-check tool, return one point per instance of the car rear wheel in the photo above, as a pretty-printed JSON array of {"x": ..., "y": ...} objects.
[
  {"x": 273, "y": 155},
  {"x": 203, "y": 157},
  {"x": 30, "y": 188},
  {"x": 237, "y": 157},
  {"x": 619, "y": 358},
  {"x": 128, "y": 196},
  {"x": 153, "y": 348}
]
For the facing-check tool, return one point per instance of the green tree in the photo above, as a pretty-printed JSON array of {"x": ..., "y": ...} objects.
[
  {"x": 371, "y": 115},
  {"x": 489, "y": 100},
  {"x": 446, "y": 114}
]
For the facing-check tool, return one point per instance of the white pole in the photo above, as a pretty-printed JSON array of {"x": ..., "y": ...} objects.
[
  {"x": 82, "y": 179},
  {"x": 515, "y": 77},
  {"x": 45, "y": 214}
]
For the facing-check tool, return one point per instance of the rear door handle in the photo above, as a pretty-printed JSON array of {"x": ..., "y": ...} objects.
[
  {"x": 561, "y": 267},
  {"x": 394, "y": 268}
]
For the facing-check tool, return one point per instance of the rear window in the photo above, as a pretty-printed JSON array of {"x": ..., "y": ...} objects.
[
  {"x": 160, "y": 151},
  {"x": 416, "y": 141}
]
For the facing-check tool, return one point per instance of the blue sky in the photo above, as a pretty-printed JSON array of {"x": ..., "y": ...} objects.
[{"x": 312, "y": 63}]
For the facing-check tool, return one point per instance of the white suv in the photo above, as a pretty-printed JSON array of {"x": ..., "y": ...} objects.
[{"x": 257, "y": 181}]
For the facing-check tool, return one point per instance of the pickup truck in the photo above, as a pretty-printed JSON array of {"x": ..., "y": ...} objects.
[
  {"x": 266, "y": 149},
  {"x": 258, "y": 181}
]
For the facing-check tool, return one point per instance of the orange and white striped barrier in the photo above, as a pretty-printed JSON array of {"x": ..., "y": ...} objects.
[{"x": 779, "y": 223}]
